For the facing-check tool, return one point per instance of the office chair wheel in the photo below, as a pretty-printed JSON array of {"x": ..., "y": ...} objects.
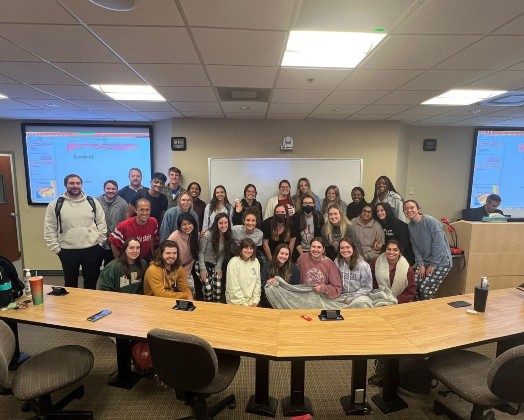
[
  {"x": 25, "y": 407},
  {"x": 232, "y": 405},
  {"x": 78, "y": 393}
]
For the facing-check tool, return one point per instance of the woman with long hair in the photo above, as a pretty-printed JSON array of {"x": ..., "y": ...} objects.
[
  {"x": 358, "y": 197},
  {"x": 283, "y": 197},
  {"x": 126, "y": 273},
  {"x": 199, "y": 206},
  {"x": 303, "y": 188},
  {"x": 186, "y": 236},
  {"x": 307, "y": 223},
  {"x": 243, "y": 276},
  {"x": 215, "y": 250},
  {"x": 170, "y": 220},
  {"x": 277, "y": 230},
  {"x": 280, "y": 266},
  {"x": 431, "y": 248},
  {"x": 394, "y": 229},
  {"x": 392, "y": 270},
  {"x": 218, "y": 204},
  {"x": 369, "y": 233},
  {"x": 385, "y": 192},
  {"x": 335, "y": 228},
  {"x": 332, "y": 197},
  {"x": 248, "y": 201},
  {"x": 355, "y": 272},
  {"x": 319, "y": 271}
]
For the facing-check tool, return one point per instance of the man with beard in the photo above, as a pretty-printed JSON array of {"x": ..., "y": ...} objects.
[{"x": 75, "y": 229}]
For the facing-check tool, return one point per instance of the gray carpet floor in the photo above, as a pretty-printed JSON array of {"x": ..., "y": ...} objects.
[{"x": 326, "y": 382}]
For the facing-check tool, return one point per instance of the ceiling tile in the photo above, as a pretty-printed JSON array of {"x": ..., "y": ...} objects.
[
  {"x": 317, "y": 116},
  {"x": 245, "y": 116},
  {"x": 299, "y": 96},
  {"x": 10, "y": 52},
  {"x": 191, "y": 114},
  {"x": 472, "y": 110},
  {"x": 242, "y": 76},
  {"x": 378, "y": 79},
  {"x": 295, "y": 78},
  {"x": 151, "y": 106},
  {"x": 12, "y": 104},
  {"x": 186, "y": 93},
  {"x": 172, "y": 74},
  {"x": 383, "y": 109},
  {"x": 138, "y": 44},
  {"x": 408, "y": 119},
  {"x": 36, "y": 73},
  {"x": 515, "y": 27},
  {"x": 502, "y": 80},
  {"x": 363, "y": 97},
  {"x": 197, "y": 106},
  {"x": 519, "y": 66},
  {"x": 101, "y": 105},
  {"x": 428, "y": 110},
  {"x": 369, "y": 117},
  {"x": 460, "y": 17},
  {"x": 291, "y": 108},
  {"x": 59, "y": 42},
  {"x": 157, "y": 12},
  {"x": 415, "y": 52},
  {"x": 445, "y": 80},
  {"x": 158, "y": 116},
  {"x": 122, "y": 116},
  {"x": 492, "y": 52},
  {"x": 240, "y": 47},
  {"x": 440, "y": 120},
  {"x": 34, "y": 11},
  {"x": 80, "y": 115},
  {"x": 101, "y": 73},
  {"x": 408, "y": 97},
  {"x": 255, "y": 107},
  {"x": 284, "y": 116},
  {"x": 328, "y": 108},
  {"x": 472, "y": 122},
  {"x": 37, "y": 114},
  {"x": 255, "y": 14},
  {"x": 73, "y": 92},
  {"x": 19, "y": 91},
  {"x": 55, "y": 105},
  {"x": 505, "y": 112}
]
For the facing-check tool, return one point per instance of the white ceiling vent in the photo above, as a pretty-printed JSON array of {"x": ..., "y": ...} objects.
[
  {"x": 506, "y": 99},
  {"x": 233, "y": 94}
]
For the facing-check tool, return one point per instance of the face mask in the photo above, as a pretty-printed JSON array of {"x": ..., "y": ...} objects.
[
  {"x": 280, "y": 218},
  {"x": 308, "y": 209}
]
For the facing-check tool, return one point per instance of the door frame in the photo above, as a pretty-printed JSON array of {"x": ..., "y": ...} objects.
[{"x": 11, "y": 156}]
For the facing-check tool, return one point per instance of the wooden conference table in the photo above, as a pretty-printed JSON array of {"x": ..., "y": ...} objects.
[{"x": 414, "y": 329}]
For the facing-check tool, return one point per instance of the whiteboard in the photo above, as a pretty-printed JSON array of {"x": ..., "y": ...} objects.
[{"x": 265, "y": 174}]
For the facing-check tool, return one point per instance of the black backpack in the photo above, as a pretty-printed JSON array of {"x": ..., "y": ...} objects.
[
  {"x": 60, "y": 203},
  {"x": 8, "y": 270}
]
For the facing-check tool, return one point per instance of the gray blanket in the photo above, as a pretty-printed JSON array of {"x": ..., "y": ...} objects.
[{"x": 303, "y": 296}]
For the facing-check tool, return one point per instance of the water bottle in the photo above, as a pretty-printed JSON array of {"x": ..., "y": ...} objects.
[{"x": 27, "y": 287}]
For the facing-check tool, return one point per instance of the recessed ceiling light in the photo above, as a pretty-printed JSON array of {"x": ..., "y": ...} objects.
[
  {"x": 462, "y": 97},
  {"x": 244, "y": 107},
  {"x": 328, "y": 49},
  {"x": 130, "y": 92},
  {"x": 337, "y": 109},
  {"x": 115, "y": 5}
]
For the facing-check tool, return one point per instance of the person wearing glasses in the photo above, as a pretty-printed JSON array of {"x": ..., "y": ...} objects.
[{"x": 283, "y": 197}]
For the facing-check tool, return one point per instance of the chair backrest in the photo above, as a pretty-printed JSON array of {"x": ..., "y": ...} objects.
[
  {"x": 7, "y": 350},
  {"x": 183, "y": 361},
  {"x": 506, "y": 375}
]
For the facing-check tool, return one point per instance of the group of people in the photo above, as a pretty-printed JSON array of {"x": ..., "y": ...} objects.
[{"x": 165, "y": 241}]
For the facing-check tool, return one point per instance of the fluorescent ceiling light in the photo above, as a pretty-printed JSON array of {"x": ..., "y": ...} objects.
[
  {"x": 328, "y": 49},
  {"x": 462, "y": 97},
  {"x": 3, "y": 96},
  {"x": 130, "y": 92}
]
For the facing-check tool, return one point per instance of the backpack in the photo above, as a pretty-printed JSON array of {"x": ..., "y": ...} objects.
[
  {"x": 142, "y": 358},
  {"x": 8, "y": 270},
  {"x": 60, "y": 203}
]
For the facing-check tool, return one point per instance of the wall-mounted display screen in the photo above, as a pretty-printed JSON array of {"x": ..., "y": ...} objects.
[
  {"x": 95, "y": 152},
  {"x": 498, "y": 167}
]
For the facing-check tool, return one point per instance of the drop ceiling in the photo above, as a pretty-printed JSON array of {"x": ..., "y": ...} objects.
[{"x": 52, "y": 50}]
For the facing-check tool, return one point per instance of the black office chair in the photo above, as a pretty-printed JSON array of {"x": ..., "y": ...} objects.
[
  {"x": 44, "y": 373},
  {"x": 189, "y": 364},
  {"x": 484, "y": 382}
]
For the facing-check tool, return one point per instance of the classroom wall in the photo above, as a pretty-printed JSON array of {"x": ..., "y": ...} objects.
[{"x": 439, "y": 179}]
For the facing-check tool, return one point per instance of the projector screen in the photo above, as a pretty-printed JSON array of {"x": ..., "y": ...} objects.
[
  {"x": 498, "y": 167},
  {"x": 95, "y": 152}
]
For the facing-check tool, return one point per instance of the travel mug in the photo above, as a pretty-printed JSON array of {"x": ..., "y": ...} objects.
[
  {"x": 37, "y": 289},
  {"x": 480, "y": 298}
]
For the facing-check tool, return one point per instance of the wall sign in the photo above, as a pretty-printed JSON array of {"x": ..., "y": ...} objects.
[{"x": 429, "y": 145}]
